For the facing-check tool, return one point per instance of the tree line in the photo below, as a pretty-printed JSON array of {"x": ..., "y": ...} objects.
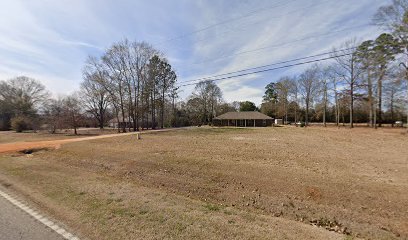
[
  {"x": 131, "y": 82},
  {"x": 367, "y": 82},
  {"x": 134, "y": 85},
  {"x": 26, "y": 104}
]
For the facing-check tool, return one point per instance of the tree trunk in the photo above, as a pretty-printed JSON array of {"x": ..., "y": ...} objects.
[
  {"x": 162, "y": 110},
  {"x": 296, "y": 105},
  {"x": 406, "y": 78},
  {"x": 338, "y": 115},
  {"x": 352, "y": 79},
  {"x": 205, "y": 112},
  {"x": 337, "y": 107},
  {"x": 102, "y": 118},
  {"x": 375, "y": 116},
  {"x": 370, "y": 99},
  {"x": 307, "y": 113},
  {"x": 117, "y": 117},
  {"x": 392, "y": 107},
  {"x": 325, "y": 104},
  {"x": 137, "y": 109},
  {"x": 122, "y": 110},
  {"x": 123, "y": 119},
  {"x": 351, "y": 104},
  {"x": 152, "y": 109},
  {"x": 174, "y": 111},
  {"x": 380, "y": 81},
  {"x": 74, "y": 124},
  {"x": 152, "y": 104},
  {"x": 129, "y": 126}
]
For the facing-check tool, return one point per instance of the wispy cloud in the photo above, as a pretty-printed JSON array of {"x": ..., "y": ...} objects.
[{"x": 50, "y": 39}]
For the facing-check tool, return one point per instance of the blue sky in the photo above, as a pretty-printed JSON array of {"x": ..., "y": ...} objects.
[{"x": 50, "y": 40}]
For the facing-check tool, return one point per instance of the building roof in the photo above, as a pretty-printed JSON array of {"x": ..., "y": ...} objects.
[{"x": 242, "y": 115}]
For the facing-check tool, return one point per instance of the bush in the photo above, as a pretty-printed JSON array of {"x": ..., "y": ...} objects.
[
  {"x": 302, "y": 124},
  {"x": 20, "y": 123}
]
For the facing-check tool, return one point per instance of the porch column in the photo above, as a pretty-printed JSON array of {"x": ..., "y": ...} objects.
[
  {"x": 254, "y": 122},
  {"x": 245, "y": 122}
]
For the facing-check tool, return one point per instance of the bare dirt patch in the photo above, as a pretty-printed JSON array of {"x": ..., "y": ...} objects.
[
  {"x": 346, "y": 181},
  {"x": 31, "y": 136}
]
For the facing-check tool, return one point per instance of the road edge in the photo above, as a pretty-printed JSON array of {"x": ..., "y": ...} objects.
[{"x": 37, "y": 216}]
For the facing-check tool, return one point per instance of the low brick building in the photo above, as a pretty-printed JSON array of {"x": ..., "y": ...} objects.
[{"x": 243, "y": 119}]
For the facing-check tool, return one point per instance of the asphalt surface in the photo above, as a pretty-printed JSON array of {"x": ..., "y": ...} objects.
[{"x": 15, "y": 224}]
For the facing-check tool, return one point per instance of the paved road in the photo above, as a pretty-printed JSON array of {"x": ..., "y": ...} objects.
[{"x": 15, "y": 224}]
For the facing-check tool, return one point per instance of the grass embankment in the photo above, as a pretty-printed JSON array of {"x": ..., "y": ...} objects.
[{"x": 216, "y": 183}]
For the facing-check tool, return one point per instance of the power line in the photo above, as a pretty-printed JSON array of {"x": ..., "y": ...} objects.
[
  {"x": 269, "y": 69},
  {"x": 279, "y": 44},
  {"x": 274, "y": 17},
  {"x": 279, "y": 4},
  {"x": 269, "y": 65},
  {"x": 276, "y": 45}
]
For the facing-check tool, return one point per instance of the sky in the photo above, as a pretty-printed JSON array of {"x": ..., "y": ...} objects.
[{"x": 50, "y": 40}]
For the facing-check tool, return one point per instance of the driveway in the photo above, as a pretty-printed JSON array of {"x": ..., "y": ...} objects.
[{"x": 20, "y": 146}]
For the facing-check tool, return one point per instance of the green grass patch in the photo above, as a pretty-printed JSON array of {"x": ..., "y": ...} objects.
[{"x": 212, "y": 207}]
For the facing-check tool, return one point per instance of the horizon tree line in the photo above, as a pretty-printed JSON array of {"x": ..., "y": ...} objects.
[{"x": 134, "y": 83}]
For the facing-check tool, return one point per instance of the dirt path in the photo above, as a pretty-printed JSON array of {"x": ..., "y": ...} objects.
[{"x": 21, "y": 146}]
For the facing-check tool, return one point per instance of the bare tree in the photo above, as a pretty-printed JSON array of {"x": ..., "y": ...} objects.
[
  {"x": 95, "y": 70},
  {"x": 325, "y": 100},
  {"x": 392, "y": 17},
  {"x": 95, "y": 98},
  {"x": 284, "y": 87},
  {"x": 116, "y": 73},
  {"x": 329, "y": 88},
  {"x": 73, "y": 111},
  {"x": 309, "y": 86},
  {"x": 295, "y": 95},
  {"x": 24, "y": 97},
  {"x": 348, "y": 69},
  {"x": 54, "y": 114},
  {"x": 138, "y": 81},
  {"x": 141, "y": 54}
]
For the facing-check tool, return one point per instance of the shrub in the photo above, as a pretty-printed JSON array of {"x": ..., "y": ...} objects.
[{"x": 20, "y": 123}]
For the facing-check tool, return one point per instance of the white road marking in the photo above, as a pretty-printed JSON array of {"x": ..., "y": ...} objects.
[{"x": 59, "y": 230}]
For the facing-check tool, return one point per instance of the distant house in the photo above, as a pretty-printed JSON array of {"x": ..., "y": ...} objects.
[
  {"x": 113, "y": 123},
  {"x": 243, "y": 119}
]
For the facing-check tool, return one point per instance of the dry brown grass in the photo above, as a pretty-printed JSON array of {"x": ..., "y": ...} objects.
[
  {"x": 30, "y": 136},
  {"x": 215, "y": 183}
]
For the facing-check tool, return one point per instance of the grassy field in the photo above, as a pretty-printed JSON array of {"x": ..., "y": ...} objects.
[{"x": 217, "y": 183}]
